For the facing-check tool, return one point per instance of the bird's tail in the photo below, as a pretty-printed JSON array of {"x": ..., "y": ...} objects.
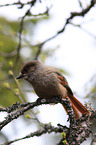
[{"x": 77, "y": 106}]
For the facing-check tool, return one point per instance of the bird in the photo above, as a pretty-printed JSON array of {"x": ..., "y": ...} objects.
[{"x": 48, "y": 82}]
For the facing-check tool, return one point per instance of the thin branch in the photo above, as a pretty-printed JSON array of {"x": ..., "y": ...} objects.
[
  {"x": 47, "y": 128},
  {"x": 68, "y": 21},
  {"x": 79, "y": 26},
  {"x": 21, "y": 28},
  {"x": 28, "y": 13},
  {"x": 80, "y": 3},
  {"x": 78, "y": 131},
  {"x": 46, "y": 13},
  {"x": 28, "y": 106},
  {"x": 8, "y": 55},
  {"x": 19, "y": 4}
]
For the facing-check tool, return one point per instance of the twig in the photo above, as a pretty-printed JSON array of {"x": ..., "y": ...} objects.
[
  {"x": 19, "y": 4},
  {"x": 29, "y": 106},
  {"x": 21, "y": 28},
  {"x": 8, "y": 55},
  {"x": 68, "y": 20},
  {"x": 47, "y": 128},
  {"x": 79, "y": 26},
  {"x": 77, "y": 132}
]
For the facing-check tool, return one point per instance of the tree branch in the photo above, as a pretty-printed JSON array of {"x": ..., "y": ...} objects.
[
  {"x": 21, "y": 28},
  {"x": 78, "y": 131},
  {"x": 28, "y": 106},
  {"x": 47, "y": 128},
  {"x": 82, "y": 13},
  {"x": 68, "y": 21},
  {"x": 19, "y": 4}
]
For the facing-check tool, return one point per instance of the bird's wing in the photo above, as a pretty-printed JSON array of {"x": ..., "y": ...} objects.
[{"x": 81, "y": 108}]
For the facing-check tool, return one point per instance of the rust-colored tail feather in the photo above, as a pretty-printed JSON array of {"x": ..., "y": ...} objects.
[{"x": 77, "y": 106}]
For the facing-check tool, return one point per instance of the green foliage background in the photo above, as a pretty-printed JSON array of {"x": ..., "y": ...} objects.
[{"x": 9, "y": 37}]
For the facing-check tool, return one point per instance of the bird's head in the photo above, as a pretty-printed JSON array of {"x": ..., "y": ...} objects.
[{"x": 28, "y": 69}]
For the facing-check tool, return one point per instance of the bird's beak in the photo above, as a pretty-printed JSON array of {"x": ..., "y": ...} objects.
[{"x": 20, "y": 76}]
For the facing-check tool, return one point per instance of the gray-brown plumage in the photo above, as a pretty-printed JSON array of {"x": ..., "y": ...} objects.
[{"x": 48, "y": 82}]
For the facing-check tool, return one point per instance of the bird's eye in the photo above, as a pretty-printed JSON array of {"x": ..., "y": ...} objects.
[{"x": 26, "y": 69}]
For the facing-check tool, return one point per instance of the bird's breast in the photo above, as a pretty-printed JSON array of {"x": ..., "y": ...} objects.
[{"x": 47, "y": 86}]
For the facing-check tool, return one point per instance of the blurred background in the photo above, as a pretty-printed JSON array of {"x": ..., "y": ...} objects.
[{"x": 28, "y": 31}]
